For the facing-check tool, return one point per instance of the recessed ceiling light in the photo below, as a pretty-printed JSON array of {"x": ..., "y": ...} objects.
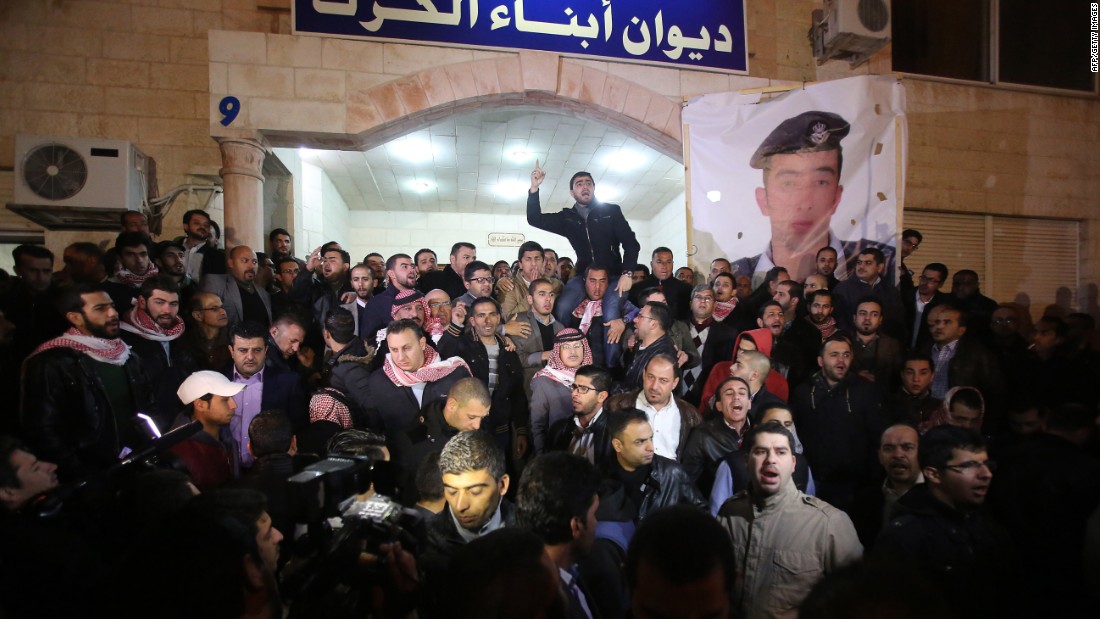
[
  {"x": 625, "y": 160},
  {"x": 420, "y": 186},
  {"x": 606, "y": 194},
  {"x": 306, "y": 152},
  {"x": 520, "y": 155},
  {"x": 714, "y": 195},
  {"x": 511, "y": 189},
  {"x": 413, "y": 150}
]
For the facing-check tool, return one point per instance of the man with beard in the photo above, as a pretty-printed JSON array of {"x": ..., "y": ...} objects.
[
  {"x": 919, "y": 302},
  {"x": 451, "y": 278},
  {"x": 557, "y": 499},
  {"x": 362, "y": 283},
  {"x": 281, "y": 243},
  {"x": 718, "y": 436},
  {"x": 839, "y": 419},
  {"x": 133, "y": 250},
  {"x": 877, "y": 355},
  {"x": 652, "y": 325},
  {"x": 534, "y": 349},
  {"x": 596, "y": 231},
  {"x": 486, "y": 353},
  {"x": 334, "y": 286},
  {"x": 820, "y": 304},
  {"x": 29, "y": 302},
  {"x": 202, "y": 256},
  {"x": 212, "y": 455},
  {"x": 825, "y": 265},
  {"x": 171, "y": 262},
  {"x": 84, "y": 263},
  {"x": 153, "y": 329},
  {"x": 868, "y": 282},
  {"x": 401, "y": 275},
  {"x": 243, "y": 299},
  {"x": 585, "y": 432},
  {"x": 426, "y": 261},
  {"x": 784, "y": 540},
  {"x": 800, "y": 339},
  {"x": 81, "y": 390},
  {"x": 897, "y": 454},
  {"x": 677, "y": 293}
]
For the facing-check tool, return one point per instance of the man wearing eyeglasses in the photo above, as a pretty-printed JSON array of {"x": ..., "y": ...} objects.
[
  {"x": 919, "y": 301},
  {"x": 938, "y": 527},
  {"x": 585, "y": 433}
]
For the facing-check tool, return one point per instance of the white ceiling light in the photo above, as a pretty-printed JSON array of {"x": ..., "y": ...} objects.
[
  {"x": 714, "y": 195},
  {"x": 512, "y": 189},
  {"x": 607, "y": 194},
  {"x": 420, "y": 186},
  {"x": 625, "y": 160},
  {"x": 519, "y": 155},
  {"x": 413, "y": 150}
]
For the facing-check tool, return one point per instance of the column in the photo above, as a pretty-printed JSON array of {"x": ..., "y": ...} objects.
[{"x": 243, "y": 192}]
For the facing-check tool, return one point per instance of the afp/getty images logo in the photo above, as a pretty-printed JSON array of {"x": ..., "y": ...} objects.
[{"x": 1094, "y": 36}]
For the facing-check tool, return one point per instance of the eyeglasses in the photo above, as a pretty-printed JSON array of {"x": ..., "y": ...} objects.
[
  {"x": 481, "y": 280},
  {"x": 702, "y": 299},
  {"x": 581, "y": 389},
  {"x": 439, "y": 304},
  {"x": 971, "y": 467},
  {"x": 646, "y": 317},
  {"x": 576, "y": 346}
]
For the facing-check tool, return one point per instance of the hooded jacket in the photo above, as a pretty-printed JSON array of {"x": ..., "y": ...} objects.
[{"x": 775, "y": 383}]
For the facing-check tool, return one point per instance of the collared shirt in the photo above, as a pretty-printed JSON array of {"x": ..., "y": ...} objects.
[
  {"x": 573, "y": 591},
  {"x": 496, "y": 522},
  {"x": 765, "y": 263},
  {"x": 583, "y": 442},
  {"x": 942, "y": 358},
  {"x": 891, "y": 496},
  {"x": 249, "y": 403},
  {"x": 193, "y": 259},
  {"x": 666, "y": 425},
  {"x": 917, "y": 316}
]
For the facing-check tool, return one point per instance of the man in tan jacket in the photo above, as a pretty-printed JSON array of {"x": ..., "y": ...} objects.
[{"x": 785, "y": 541}]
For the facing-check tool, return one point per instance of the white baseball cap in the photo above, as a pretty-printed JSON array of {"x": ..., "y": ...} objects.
[{"x": 204, "y": 382}]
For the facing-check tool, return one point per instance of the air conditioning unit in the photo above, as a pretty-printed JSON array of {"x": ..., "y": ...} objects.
[
  {"x": 850, "y": 29},
  {"x": 64, "y": 183}
]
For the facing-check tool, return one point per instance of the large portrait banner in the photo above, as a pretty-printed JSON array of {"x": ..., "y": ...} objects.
[{"x": 772, "y": 182}]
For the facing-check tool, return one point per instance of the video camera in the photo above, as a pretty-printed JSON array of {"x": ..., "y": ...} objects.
[{"x": 345, "y": 524}]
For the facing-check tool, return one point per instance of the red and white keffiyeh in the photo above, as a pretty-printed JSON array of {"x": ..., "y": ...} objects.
[
  {"x": 827, "y": 328},
  {"x": 433, "y": 369},
  {"x": 324, "y": 407},
  {"x": 141, "y": 323},
  {"x": 431, "y": 325},
  {"x": 723, "y": 308},
  {"x": 587, "y": 311},
  {"x": 556, "y": 370},
  {"x": 133, "y": 279},
  {"x": 114, "y": 352}
]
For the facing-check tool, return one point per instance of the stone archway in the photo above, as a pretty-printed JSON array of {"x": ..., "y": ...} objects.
[{"x": 529, "y": 79}]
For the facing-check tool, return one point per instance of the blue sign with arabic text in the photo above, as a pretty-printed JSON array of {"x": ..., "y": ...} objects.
[{"x": 685, "y": 33}]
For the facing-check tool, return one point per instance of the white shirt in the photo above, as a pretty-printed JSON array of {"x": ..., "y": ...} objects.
[
  {"x": 584, "y": 444},
  {"x": 193, "y": 259},
  {"x": 666, "y": 425}
]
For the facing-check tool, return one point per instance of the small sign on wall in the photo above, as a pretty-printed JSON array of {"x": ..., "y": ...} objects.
[{"x": 506, "y": 239}]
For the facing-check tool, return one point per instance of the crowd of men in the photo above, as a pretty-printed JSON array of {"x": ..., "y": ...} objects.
[{"x": 589, "y": 438}]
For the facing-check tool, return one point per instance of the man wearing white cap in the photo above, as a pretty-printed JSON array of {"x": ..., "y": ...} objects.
[{"x": 210, "y": 455}]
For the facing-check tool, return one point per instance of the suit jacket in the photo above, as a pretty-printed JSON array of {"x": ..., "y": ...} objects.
[
  {"x": 515, "y": 300},
  {"x": 446, "y": 280},
  {"x": 395, "y": 407},
  {"x": 530, "y": 349},
  {"x": 230, "y": 293},
  {"x": 282, "y": 391},
  {"x": 676, "y": 292},
  {"x": 562, "y": 431},
  {"x": 909, "y": 305}
]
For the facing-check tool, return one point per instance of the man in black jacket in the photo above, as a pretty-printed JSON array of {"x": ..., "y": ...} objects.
[
  {"x": 718, "y": 436},
  {"x": 485, "y": 351},
  {"x": 412, "y": 376},
  {"x": 677, "y": 293},
  {"x": 596, "y": 231},
  {"x": 713, "y": 339},
  {"x": 839, "y": 420},
  {"x": 449, "y": 279},
  {"x": 402, "y": 275},
  {"x": 81, "y": 390},
  {"x": 639, "y": 481},
  {"x": 585, "y": 433},
  {"x": 153, "y": 329},
  {"x": 347, "y": 365}
]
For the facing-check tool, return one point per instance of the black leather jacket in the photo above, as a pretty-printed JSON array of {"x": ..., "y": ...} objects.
[
  {"x": 667, "y": 484},
  {"x": 66, "y": 415},
  {"x": 707, "y": 446},
  {"x": 595, "y": 240}
]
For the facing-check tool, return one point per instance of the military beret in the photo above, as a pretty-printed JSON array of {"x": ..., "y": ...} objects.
[{"x": 808, "y": 132}]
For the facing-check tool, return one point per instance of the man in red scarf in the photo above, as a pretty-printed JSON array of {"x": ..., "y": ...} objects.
[
  {"x": 153, "y": 329},
  {"x": 412, "y": 376},
  {"x": 81, "y": 390}
]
